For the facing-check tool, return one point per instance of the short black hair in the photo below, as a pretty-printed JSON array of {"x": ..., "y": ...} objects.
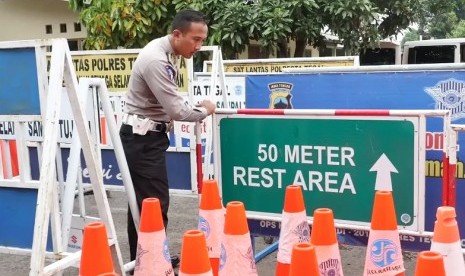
[{"x": 183, "y": 19}]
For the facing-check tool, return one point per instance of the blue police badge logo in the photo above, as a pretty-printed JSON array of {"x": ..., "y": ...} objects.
[
  {"x": 166, "y": 251},
  {"x": 204, "y": 226},
  {"x": 383, "y": 252},
  {"x": 223, "y": 257},
  {"x": 170, "y": 72},
  {"x": 449, "y": 95},
  {"x": 280, "y": 97},
  {"x": 237, "y": 90}
]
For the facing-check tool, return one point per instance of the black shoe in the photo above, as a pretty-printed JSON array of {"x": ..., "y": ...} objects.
[{"x": 174, "y": 261}]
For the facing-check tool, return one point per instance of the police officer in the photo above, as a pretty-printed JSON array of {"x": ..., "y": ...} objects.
[{"x": 152, "y": 103}]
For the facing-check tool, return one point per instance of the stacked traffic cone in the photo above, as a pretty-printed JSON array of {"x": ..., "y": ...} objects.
[
  {"x": 384, "y": 254},
  {"x": 194, "y": 255},
  {"x": 430, "y": 263},
  {"x": 446, "y": 240},
  {"x": 304, "y": 261},
  {"x": 324, "y": 239},
  {"x": 237, "y": 256},
  {"x": 95, "y": 256},
  {"x": 211, "y": 221},
  {"x": 294, "y": 227},
  {"x": 153, "y": 256}
]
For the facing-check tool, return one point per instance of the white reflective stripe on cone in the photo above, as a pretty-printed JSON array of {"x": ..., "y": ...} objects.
[
  {"x": 329, "y": 259},
  {"x": 294, "y": 229},
  {"x": 153, "y": 255},
  {"x": 384, "y": 254},
  {"x": 237, "y": 257},
  {"x": 453, "y": 258},
  {"x": 211, "y": 223}
]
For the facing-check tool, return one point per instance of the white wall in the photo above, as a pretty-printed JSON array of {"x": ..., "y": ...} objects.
[{"x": 26, "y": 19}]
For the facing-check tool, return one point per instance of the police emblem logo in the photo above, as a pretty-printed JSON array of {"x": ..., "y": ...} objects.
[
  {"x": 302, "y": 230},
  {"x": 223, "y": 257},
  {"x": 330, "y": 267},
  {"x": 166, "y": 251},
  {"x": 449, "y": 95},
  {"x": 250, "y": 258},
  {"x": 170, "y": 72},
  {"x": 384, "y": 252},
  {"x": 204, "y": 226},
  {"x": 280, "y": 97},
  {"x": 140, "y": 252}
]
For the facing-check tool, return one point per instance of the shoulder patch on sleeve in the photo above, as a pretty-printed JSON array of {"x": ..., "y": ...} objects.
[{"x": 170, "y": 72}]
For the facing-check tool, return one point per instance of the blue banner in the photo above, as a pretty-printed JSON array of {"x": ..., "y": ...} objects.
[
  {"x": 19, "y": 89},
  {"x": 378, "y": 90},
  {"x": 177, "y": 164}
]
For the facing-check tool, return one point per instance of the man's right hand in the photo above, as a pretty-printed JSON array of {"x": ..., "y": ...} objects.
[{"x": 209, "y": 106}]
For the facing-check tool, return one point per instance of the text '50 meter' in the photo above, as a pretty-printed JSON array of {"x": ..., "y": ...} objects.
[{"x": 331, "y": 158}]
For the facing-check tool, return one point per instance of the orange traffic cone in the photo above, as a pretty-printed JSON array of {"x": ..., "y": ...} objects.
[
  {"x": 294, "y": 227},
  {"x": 95, "y": 256},
  {"x": 109, "y": 274},
  {"x": 153, "y": 256},
  {"x": 236, "y": 249},
  {"x": 384, "y": 253},
  {"x": 194, "y": 255},
  {"x": 211, "y": 221},
  {"x": 430, "y": 263},
  {"x": 304, "y": 261},
  {"x": 324, "y": 239},
  {"x": 446, "y": 240}
]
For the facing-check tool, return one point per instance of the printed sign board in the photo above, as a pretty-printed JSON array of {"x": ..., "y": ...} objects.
[
  {"x": 399, "y": 88},
  {"x": 248, "y": 66},
  {"x": 115, "y": 67},
  {"x": 332, "y": 159},
  {"x": 19, "y": 85}
]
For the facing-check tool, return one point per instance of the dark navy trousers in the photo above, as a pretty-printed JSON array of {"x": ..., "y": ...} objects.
[{"x": 146, "y": 158}]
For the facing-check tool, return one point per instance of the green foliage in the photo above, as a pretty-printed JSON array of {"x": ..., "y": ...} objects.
[
  {"x": 410, "y": 36},
  {"x": 438, "y": 19},
  {"x": 442, "y": 25},
  {"x": 77, "y": 5},
  {"x": 352, "y": 21},
  {"x": 98, "y": 21},
  {"x": 458, "y": 31},
  {"x": 234, "y": 23},
  {"x": 123, "y": 23}
]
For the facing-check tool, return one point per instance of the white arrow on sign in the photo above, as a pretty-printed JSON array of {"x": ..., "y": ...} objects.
[{"x": 383, "y": 168}]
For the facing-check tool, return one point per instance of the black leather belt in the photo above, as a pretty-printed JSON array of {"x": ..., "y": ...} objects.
[{"x": 128, "y": 129}]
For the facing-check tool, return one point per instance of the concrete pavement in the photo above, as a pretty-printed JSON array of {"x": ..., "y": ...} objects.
[{"x": 183, "y": 216}]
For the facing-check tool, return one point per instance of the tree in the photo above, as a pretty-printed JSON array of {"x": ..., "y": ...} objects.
[
  {"x": 409, "y": 36},
  {"x": 358, "y": 23},
  {"x": 437, "y": 19},
  {"x": 459, "y": 30},
  {"x": 123, "y": 23},
  {"x": 235, "y": 23}
]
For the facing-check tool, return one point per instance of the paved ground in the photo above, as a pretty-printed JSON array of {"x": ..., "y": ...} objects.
[{"x": 183, "y": 216}]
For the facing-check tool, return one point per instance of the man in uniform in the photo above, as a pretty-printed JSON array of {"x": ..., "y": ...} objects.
[{"x": 152, "y": 103}]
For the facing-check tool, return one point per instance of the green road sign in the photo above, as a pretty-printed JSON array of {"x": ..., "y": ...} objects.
[{"x": 332, "y": 159}]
